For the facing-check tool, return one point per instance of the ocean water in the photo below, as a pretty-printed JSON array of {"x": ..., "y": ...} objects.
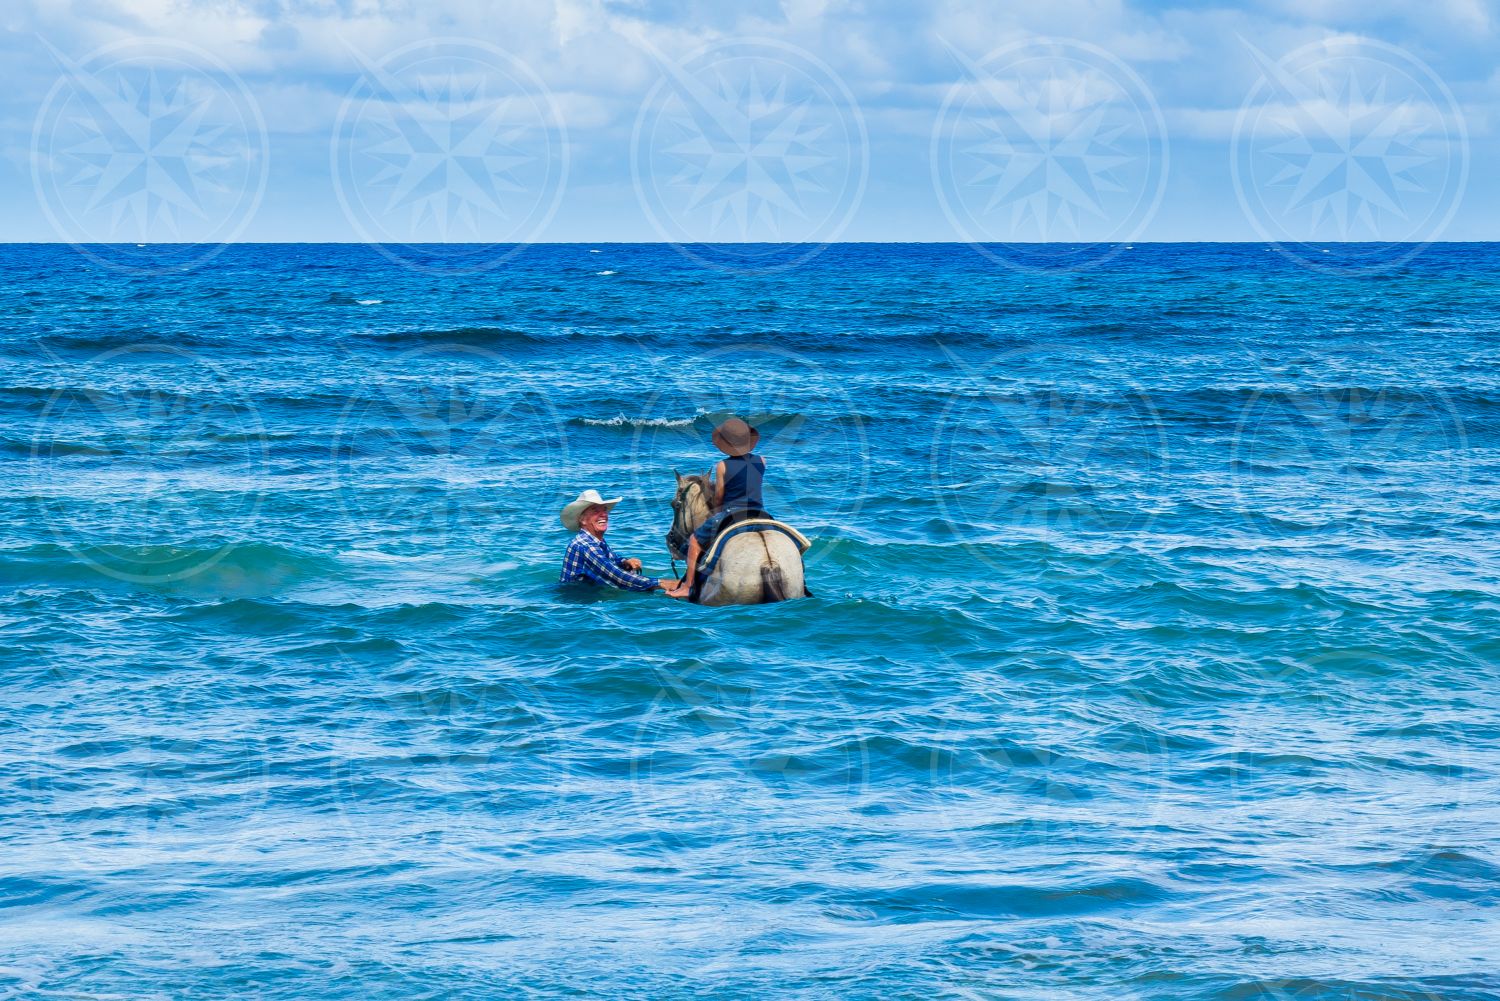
[{"x": 1153, "y": 651}]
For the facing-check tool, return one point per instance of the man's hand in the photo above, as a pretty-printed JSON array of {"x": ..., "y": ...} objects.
[{"x": 631, "y": 564}]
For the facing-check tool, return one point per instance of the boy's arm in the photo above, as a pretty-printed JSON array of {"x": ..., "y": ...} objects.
[{"x": 719, "y": 486}]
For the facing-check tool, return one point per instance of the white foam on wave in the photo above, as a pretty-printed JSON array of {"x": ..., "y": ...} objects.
[
  {"x": 621, "y": 421},
  {"x": 370, "y": 302},
  {"x": 594, "y": 251},
  {"x": 606, "y": 272}
]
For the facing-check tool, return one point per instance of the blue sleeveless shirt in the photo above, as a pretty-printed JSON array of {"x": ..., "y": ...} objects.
[{"x": 742, "y": 479}]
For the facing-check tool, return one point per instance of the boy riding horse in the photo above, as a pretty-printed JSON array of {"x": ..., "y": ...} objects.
[{"x": 737, "y": 487}]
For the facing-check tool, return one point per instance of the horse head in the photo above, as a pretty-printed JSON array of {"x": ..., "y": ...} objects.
[{"x": 690, "y": 508}]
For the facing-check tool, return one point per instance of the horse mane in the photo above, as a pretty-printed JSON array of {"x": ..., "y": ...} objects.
[
  {"x": 677, "y": 536},
  {"x": 705, "y": 482}
]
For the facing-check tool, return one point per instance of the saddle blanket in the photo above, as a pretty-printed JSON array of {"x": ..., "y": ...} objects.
[{"x": 710, "y": 556}]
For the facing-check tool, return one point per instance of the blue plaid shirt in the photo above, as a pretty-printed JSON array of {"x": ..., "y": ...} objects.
[{"x": 590, "y": 559}]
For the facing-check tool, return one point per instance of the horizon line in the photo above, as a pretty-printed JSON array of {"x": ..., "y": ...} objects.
[{"x": 744, "y": 243}]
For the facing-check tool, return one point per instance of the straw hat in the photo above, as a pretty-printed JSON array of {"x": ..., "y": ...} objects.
[
  {"x": 735, "y": 437},
  {"x": 574, "y": 509}
]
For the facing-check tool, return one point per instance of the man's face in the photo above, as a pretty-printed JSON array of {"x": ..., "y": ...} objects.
[{"x": 595, "y": 520}]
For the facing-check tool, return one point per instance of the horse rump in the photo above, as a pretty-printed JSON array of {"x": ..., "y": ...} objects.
[{"x": 755, "y": 568}]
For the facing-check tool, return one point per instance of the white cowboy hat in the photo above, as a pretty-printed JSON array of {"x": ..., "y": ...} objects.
[{"x": 585, "y": 500}]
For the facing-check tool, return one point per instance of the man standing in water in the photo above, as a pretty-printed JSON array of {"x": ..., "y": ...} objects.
[{"x": 589, "y": 557}]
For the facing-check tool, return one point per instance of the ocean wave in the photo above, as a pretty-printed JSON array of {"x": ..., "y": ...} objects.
[
  {"x": 625, "y": 328},
  {"x": 767, "y": 423},
  {"x": 476, "y": 337},
  {"x": 251, "y": 615},
  {"x": 383, "y": 647},
  {"x": 622, "y": 421},
  {"x": 971, "y": 900},
  {"x": 1325, "y": 398},
  {"x": 53, "y": 448},
  {"x": 147, "y": 339},
  {"x": 224, "y": 568},
  {"x": 1155, "y": 406}
]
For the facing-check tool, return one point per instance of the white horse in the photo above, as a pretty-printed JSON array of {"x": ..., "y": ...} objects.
[{"x": 753, "y": 568}]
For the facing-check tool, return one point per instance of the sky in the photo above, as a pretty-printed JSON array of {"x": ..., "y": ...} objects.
[{"x": 409, "y": 121}]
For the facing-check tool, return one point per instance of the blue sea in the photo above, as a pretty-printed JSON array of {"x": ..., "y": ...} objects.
[{"x": 1154, "y": 650}]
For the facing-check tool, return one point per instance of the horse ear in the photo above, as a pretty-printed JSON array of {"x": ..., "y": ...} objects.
[{"x": 679, "y": 477}]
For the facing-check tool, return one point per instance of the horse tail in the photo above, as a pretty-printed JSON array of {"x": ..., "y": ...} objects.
[{"x": 772, "y": 584}]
